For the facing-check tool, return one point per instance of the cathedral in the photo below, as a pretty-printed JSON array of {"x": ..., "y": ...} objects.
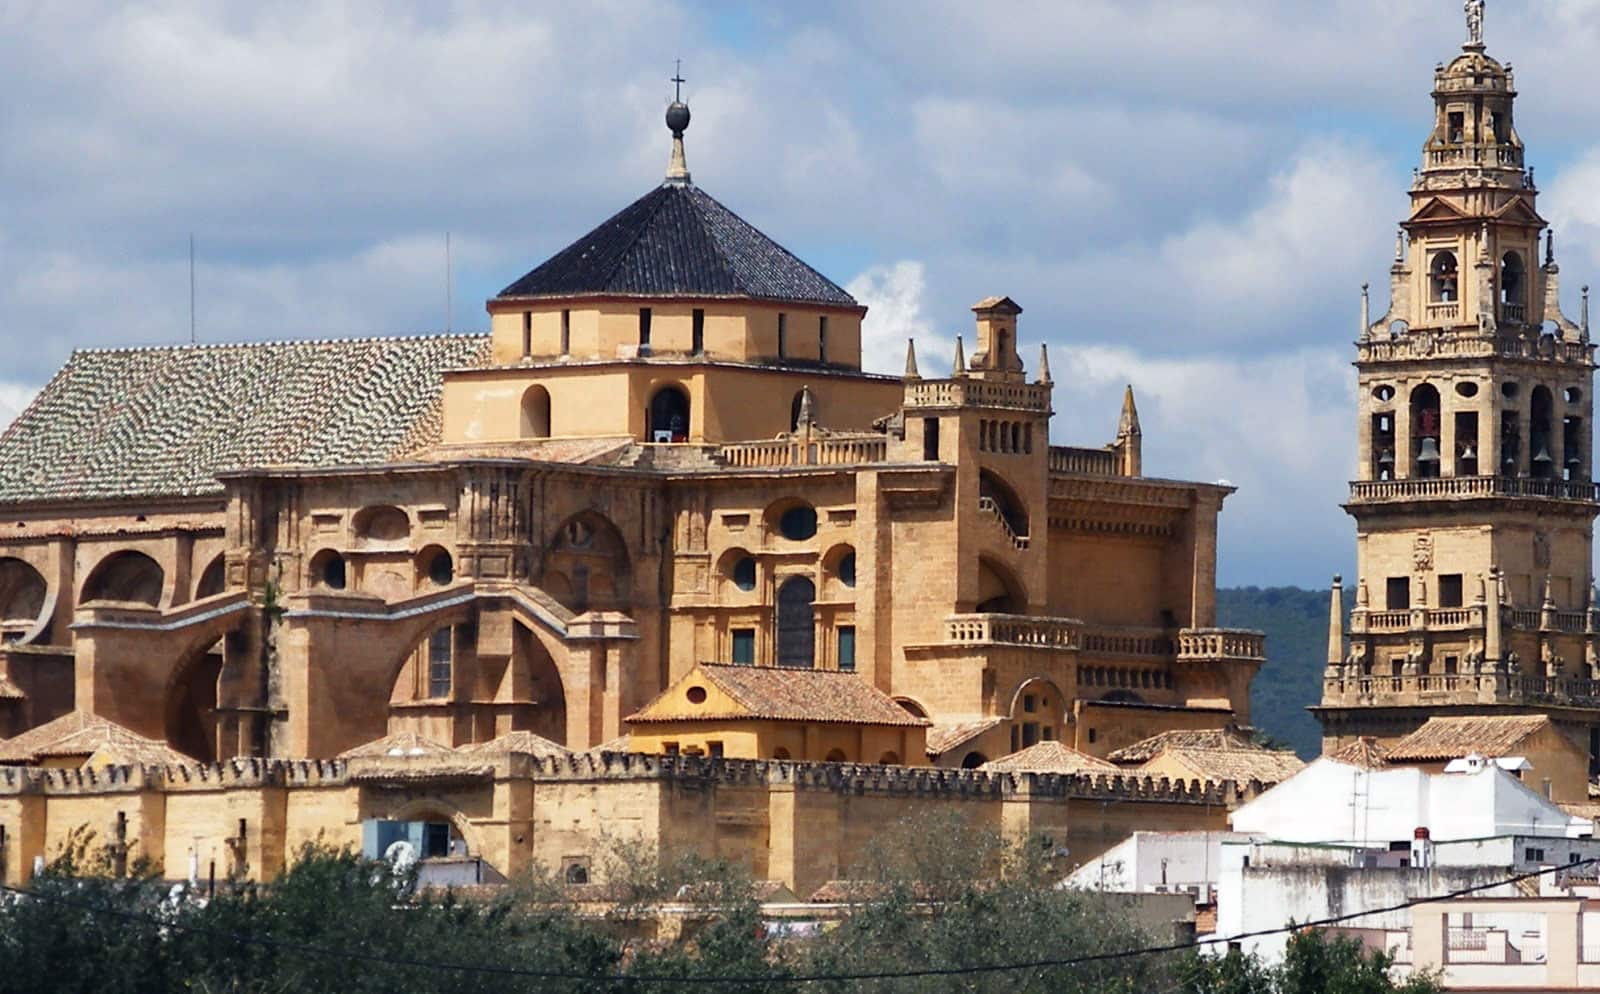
[
  {"x": 1474, "y": 610},
  {"x": 656, "y": 525}
]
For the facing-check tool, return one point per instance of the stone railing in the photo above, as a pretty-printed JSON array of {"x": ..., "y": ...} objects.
[
  {"x": 1014, "y": 629},
  {"x": 1472, "y": 154},
  {"x": 1084, "y": 462},
  {"x": 839, "y": 450},
  {"x": 1120, "y": 641},
  {"x": 1512, "y": 312},
  {"x": 1461, "y": 688},
  {"x": 992, "y": 507},
  {"x": 1472, "y": 345},
  {"x": 1388, "y": 621},
  {"x": 1202, "y": 644},
  {"x": 1472, "y": 616},
  {"x": 967, "y": 392},
  {"x": 1372, "y": 491},
  {"x": 1444, "y": 312}
]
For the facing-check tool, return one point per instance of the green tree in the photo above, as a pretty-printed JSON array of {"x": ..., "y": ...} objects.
[{"x": 1315, "y": 962}]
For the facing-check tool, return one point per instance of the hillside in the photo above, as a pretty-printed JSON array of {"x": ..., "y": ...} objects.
[{"x": 1296, "y": 623}]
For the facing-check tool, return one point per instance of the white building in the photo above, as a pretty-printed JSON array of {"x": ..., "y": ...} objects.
[{"x": 1157, "y": 863}]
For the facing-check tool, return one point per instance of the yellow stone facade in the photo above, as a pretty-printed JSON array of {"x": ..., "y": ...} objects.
[
  {"x": 614, "y": 487},
  {"x": 1474, "y": 498}
]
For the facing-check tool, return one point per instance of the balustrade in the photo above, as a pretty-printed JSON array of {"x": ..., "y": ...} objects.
[
  {"x": 1084, "y": 462},
  {"x": 1198, "y": 644},
  {"x": 836, "y": 450},
  {"x": 1473, "y": 486}
]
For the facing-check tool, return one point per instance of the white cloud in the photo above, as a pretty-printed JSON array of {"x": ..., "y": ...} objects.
[
  {"x": 893, "y": 296},
  {"x": 1572, "y": 202},
  {"x": 13, "y": 398}
]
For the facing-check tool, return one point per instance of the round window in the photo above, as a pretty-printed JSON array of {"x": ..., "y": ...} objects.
[
  {"x": 1466, "y": 388},
  {"x": 847, "y": 569},
  {"x": 696, "y": 695},
  {"x": 1508, "y": 390},
  {"x": 744, "y": 573},
  {"x": 441, "y": 569},
  {"x": 798, "y": 523},
  {"x": 1383, "y": 393}
]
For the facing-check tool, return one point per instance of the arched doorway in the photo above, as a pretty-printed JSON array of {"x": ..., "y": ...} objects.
[
  {"x": 1038, "y": 711},
  {"x": 129, "y": 577},
  {"x": 669, "y": 415},
  {"x": 22, "y": 594},
  {"x": 190, "y": 721},
  {"x": 535, "y": 413},
  {"x": 797, "y": 632}
]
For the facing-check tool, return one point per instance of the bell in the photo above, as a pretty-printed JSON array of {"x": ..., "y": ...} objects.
[
  {"x": 1430, "y": 451},
  {"x": 1543, "y": 456},
  {"x": 1468, "y": 452},
  {"x": 1573, "y": 459},
  {"x": 1387, "y": 459}
]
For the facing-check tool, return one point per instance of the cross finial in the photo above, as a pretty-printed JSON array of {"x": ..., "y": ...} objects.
[{"x": 677, "y": 80}]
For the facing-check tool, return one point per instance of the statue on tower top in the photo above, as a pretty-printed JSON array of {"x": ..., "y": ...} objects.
[{"x": 1474, "y": 9}]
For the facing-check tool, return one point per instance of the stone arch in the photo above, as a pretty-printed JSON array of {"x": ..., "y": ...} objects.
[
  {"x": 994, "y": 491},
  {"x": 1426, "y": 422},
  {"x": 381, "y": 526},
  {"x": 999, "y": 590},
  {"x": 23, "y": 599},
  {"x": 1443, "y": 278},
  {"x": 437, "y": 809},
  {"x": 126, "y": 576},
  {"x": 1038, "y": 711},
  {"x": 669, "y": 414},
  {"x": 328, "y": 569},
  {"x": 839, "y": 570},
  {"x": 213, "y": 579},
  {"x": 738, "y": 568},
  {"x": 797, "y": 626},
  {"x": 1513, "y": 281},
  {"x": 912, "y": 706},
  {"x": 535, "y": 413},
  {"x": 189, "y": 718},
  {"x": 792, "y": 518},
  {"x": 587, "y": 559},
  {"x": 973, "y": 760},
  {"x": 1541, "y": 433},
  {"x": 435, "y": 567}
]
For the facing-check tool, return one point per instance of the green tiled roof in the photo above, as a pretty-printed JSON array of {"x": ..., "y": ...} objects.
[{"x": 163, "y": 422}]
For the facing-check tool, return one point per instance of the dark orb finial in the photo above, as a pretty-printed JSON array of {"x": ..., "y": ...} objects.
[{"x": 677, "y": 118}]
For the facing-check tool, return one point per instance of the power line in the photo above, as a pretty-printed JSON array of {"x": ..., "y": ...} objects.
[{"x": 986, "y": 968}]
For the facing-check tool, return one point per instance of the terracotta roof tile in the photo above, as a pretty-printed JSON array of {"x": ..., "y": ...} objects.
[
  {"x": 785, "y": 694},
  {"x": 79, "y": 733},
  {"x": 1239, "y": 765},
  {"x": 1207, "y": 738},
  {"x": 1364, "y": 752},
  {"x": 1490, "y": 736},
  {"x": 164, "y": 422},
  {"x": 944, "y": 736},
  {"x": 1049, "y": 757},
  {"x": 398, "y": 745},
  {"x": 526, "y": 743}
]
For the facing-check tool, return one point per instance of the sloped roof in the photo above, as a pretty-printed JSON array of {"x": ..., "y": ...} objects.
[
  {"x": 782, "y": 694},
  {"x": 944, "y": 736},
  {"x": 1051, "y": 756},
  {"x": 79, "y": 733},
  {"x": 1490, "y": 736},
  {"x": 164, "y": 422},
  {"x": 1238, "y": 765},
  {"x": 1144, "y": 750},
  {"x": 678, "y": 240},
  {"x": 400, "y": 744},
  {"x": 519, "y": 742},
  {"x": 1364, "y": 753}
]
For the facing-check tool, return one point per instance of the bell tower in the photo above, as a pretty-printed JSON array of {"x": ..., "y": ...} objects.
[{"x": 1473, "y": 499}]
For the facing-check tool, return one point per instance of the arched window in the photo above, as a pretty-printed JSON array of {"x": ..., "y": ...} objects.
[
  {"x": 1442, "y": 280},
  {"x": 1540, "y": 439},
  {"x": 328, "y": 569},
  {"x": 780, "y": 753},
  {"x": 973, "y": 760},
  {"x": 1512, "y": 289},
  {"x": 669, "y": 415},
  {"x": 213, "y": 580},
  {"x": 131, "y": 577},
  {"x": 797, "y": 632},
  {"x": 22, "y": 594},
  {"x": 535, "y": 413},
  {"x": 1425, "y": 422},
  {"x": 836, "y": 756},
  {"x": 890, "y": 758}
]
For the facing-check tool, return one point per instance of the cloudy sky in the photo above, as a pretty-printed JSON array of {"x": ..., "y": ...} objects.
[{"x": 1183, "y": 195}]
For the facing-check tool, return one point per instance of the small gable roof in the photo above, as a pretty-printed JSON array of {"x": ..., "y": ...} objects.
[
  {"x": 677, "y": 240},
  {"x": 1267, "y": 766},
  {"x": 778, "y": 694},
  {"x": 523, "y": 742},
  {"x": 1228, "y": 737},
  {"x": 1453, "y": 737},
  {"x": 398, "y": 745},
  {"x": 1364, "y": 753},
  {"x": 1051, "y": 756},
  {"x": 944, "y": 736},
  {"x": 80, "y": 733}
]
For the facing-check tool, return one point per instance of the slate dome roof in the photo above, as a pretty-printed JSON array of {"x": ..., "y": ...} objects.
[{"x": 678, "y": 241}]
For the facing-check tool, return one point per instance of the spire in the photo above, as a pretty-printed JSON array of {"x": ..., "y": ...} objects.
[
  {"x": 1044, "y": 364},
  {"x": 677, "y": 123},
  {"x": 1336, "y": 622},
  {"x": 1129, "y": 424},
  {"x": 911, "y": 360},
  {"x": 959, "y": 367},
  {"x": 1366, "y": 311},
  {"x": 1550, "y": 248},
  {"x": 1584, "y": 319},
  {"x": 807, "y": 417}
]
